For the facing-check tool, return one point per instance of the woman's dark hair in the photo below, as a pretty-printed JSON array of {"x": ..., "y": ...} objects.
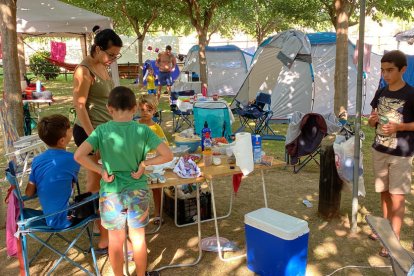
[
  {"x": 105, "y": 39},
  {"x": 52, "y": 128},
  {"x": 122, "y": 98}
]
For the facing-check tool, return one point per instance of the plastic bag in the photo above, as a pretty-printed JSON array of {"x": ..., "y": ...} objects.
[
  {"x": 344, "y": 162},
  {"x": 187, "y": 168}
]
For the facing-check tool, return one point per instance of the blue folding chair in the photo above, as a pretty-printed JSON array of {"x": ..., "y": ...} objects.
[
  {"x": 217, "y": 116},
  {"x": 32, "y": 222},
  {"x": 181, "y": 118},
  {"x": 260, "y": 113}
]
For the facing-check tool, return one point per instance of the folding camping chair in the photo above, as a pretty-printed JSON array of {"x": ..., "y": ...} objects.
[
  {"x": 402, "y": 261},
  {"x": 182, "y": 109},
  {"x": 32, "y": 222},
  {"x": 260, "y": 114},
  {"x": 304, "y": 136},
  {"x": 217, "y": 116}
]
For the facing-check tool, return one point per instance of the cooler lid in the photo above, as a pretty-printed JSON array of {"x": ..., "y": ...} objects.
[{"x": 276, "y": 223}]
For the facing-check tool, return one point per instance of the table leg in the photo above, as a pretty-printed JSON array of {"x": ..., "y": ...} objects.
[
  {"x": 205, "y": 220},
  {"x": 264, "y": 189},
  {"x": 161, "y": 208},
  {"x": 200, "y": 252},
  {"x": 213, "y": 201}
]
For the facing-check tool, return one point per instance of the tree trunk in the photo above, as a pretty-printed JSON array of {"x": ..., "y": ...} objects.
[
  {"x": 140, "y": 61},
  {"x": 12, "y": 91},
  {"x": 330, "y": 185},
  {"x": 202, "y": 41},
  {"x": 341, "y": 66}
]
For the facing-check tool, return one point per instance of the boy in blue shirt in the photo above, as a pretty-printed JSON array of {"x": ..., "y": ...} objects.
[
  {"x": 54, "y": 171},
  {"x": 124, "y": 196}
]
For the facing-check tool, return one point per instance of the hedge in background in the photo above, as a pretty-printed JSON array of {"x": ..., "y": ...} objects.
[{"x": 40, "y": 66}]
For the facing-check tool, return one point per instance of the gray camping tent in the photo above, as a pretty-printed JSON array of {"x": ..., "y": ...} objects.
[
  {"x": 281, "y": 67},
  {"x": 305, "y": 86},
  {"x": 226, "y": 69},
  {"x": 405, "y": 36}
]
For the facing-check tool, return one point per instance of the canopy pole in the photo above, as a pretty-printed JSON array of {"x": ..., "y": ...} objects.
[
  {"x": 84, "y": 46},
  {"x": 357, "y": 148},
  {"x": 22, "y": 60}
]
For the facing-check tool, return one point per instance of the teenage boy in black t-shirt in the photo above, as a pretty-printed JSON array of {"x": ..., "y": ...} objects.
[{"x": 393, "y": 148}]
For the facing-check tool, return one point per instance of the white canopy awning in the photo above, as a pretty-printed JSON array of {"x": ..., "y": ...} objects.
[{"x": 52, "y": 16}]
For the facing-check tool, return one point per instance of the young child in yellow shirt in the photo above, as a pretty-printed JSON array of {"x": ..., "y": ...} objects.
[
  {"x": 150, "y": 78},
  {"x": 148, "y": 106}
]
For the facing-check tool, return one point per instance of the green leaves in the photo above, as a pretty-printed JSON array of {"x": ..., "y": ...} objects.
[{"x": 40, "y": 66}]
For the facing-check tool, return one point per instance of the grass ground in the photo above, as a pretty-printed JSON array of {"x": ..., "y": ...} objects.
[{"x": 331, "y": 244}]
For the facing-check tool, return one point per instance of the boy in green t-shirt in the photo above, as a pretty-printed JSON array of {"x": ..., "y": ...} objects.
[{"x": 123, "y": 145}]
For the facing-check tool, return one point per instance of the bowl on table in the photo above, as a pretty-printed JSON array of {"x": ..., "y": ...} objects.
[
  {"x": 192, "y": 144},
  {"x": 179, "y": 151}
]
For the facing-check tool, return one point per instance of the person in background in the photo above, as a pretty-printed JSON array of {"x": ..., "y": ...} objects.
[
  {"x": 148, "y": 106},
  {"x": 166, "y": 63},
  {"x": 54, "y": 171},
  {"x": 392, "y": 117},
  {"x": 150, "y": 79},
  {"x": 124, "y": 194},
  {"x": 91, "y": 87}
]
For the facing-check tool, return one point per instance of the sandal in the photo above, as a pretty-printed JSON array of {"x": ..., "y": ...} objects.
[
  {"x": 157, "y": 221},
  {"x": 384, "y": 253},
  {"x": 373, "y": 237},
  {"x": 101, "y": 251}
]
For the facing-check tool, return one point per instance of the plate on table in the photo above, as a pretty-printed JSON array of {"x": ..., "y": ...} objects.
[{"x": 195, "y": 157}]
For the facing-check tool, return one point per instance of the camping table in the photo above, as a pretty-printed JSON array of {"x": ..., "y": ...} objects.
[
  {"x": 224, "y": 170},
  {"x": 210, "y": 100},
  {"x": 208, "y": 174},
  {"x": 34, "y": 105}
]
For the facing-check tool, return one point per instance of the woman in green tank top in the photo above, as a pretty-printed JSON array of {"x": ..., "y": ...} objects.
[{"x": 91, "y": 86}]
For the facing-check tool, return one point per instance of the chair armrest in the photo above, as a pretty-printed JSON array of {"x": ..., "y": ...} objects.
[
  {"x": 238, "y": 103},
  {"x": 28, "y": 149},
  {"x": 71, "y": 207}
]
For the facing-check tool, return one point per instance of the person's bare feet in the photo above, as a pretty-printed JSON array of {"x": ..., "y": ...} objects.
[{"x": 373, "y": 237}]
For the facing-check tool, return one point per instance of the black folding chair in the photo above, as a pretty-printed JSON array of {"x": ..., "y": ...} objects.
[
  {"x": 313, "y": 129},
  {"x": 181, "y": 118}
]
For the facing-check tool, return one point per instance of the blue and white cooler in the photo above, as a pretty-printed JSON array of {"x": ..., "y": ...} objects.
[{"x": 277, "y": 244}]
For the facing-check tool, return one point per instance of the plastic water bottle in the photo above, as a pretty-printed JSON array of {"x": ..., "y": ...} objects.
[
  {"x": 204, "y": 131},
  {"x": 257, "y": 148},
  {"x": 207, "y": 152},
  {"x": 38, "y": 86}
]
